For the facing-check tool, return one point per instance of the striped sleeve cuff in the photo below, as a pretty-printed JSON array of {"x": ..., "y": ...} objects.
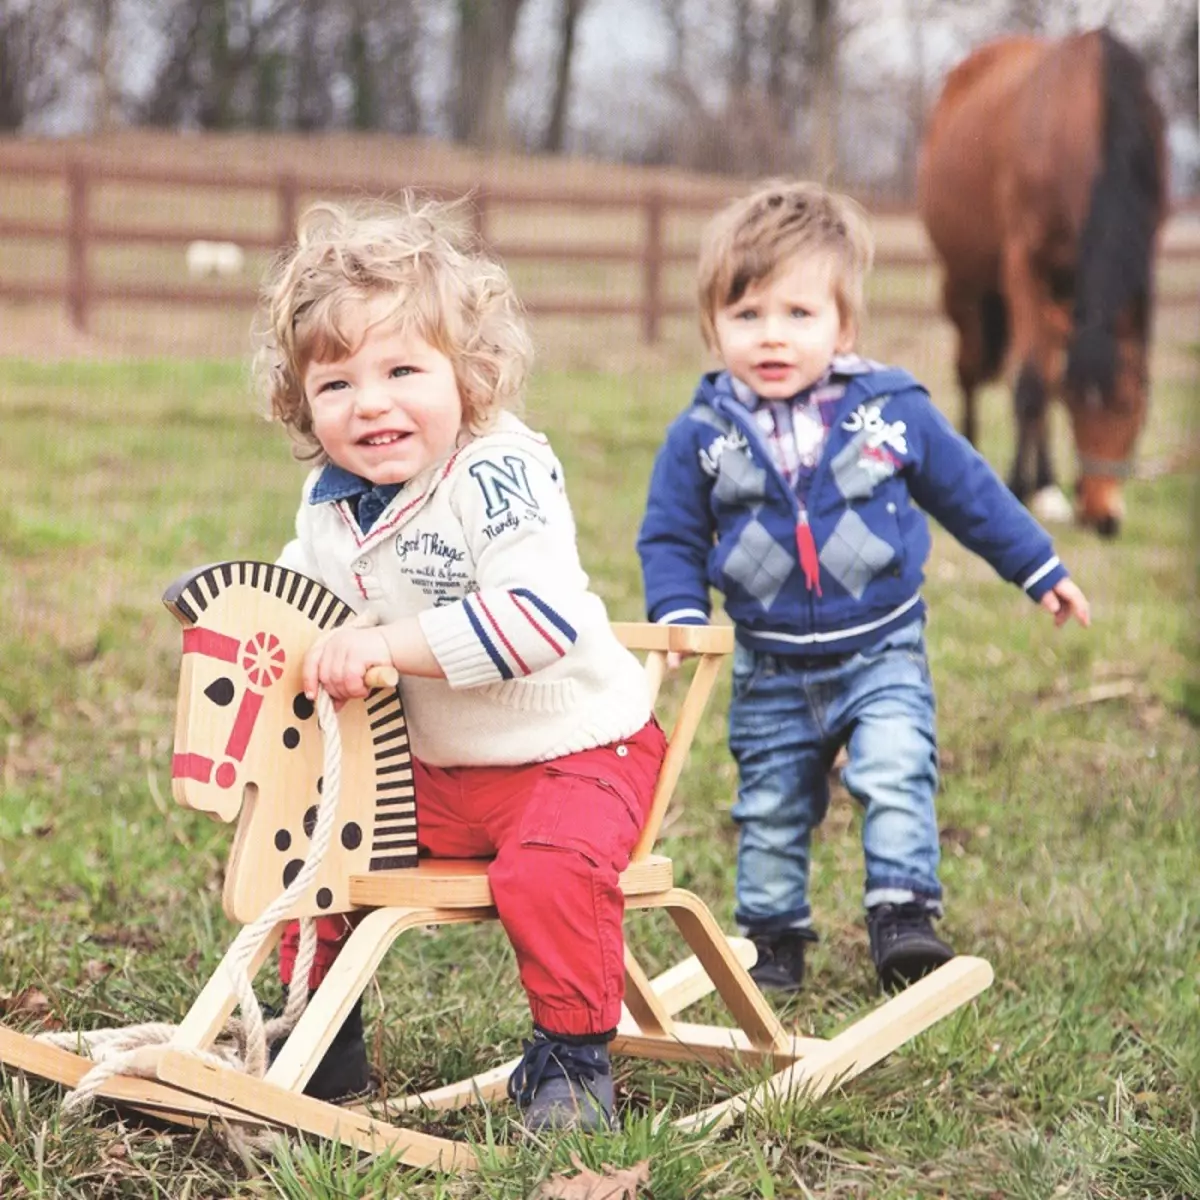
[
  {"x": 1044, "y": 578},
  {"x": 496, "y": 635}
]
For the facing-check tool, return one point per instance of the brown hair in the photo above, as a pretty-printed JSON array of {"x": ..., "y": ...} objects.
[
  {"x": 422, "y": 253},
  {"x": 750, "y": 239}
]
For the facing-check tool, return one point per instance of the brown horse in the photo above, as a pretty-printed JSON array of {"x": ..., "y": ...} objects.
[{"x": 1042, "y": 184}]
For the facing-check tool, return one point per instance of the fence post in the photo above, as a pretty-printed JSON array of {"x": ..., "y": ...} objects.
[
  {"x": 289, "y": 198},
  {"x": 77, "y": 247},
  {"x": 479, "y": 212},
  {"x": 652, "y": 268}
]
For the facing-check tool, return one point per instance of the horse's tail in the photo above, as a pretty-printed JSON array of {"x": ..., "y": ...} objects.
[{"x": 1116, "y": 252}]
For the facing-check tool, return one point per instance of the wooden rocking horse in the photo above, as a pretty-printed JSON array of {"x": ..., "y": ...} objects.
[{"x": 247, "y": 745}]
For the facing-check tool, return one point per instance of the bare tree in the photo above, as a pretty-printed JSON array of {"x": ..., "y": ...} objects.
[
  {"x": 485, "y": 38},
  {"x": 222, "y": 65},
  {"x": 568, "y": 20},
  {"x": 36, "y": 58}
]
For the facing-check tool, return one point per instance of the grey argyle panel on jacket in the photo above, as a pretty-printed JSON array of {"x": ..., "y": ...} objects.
[
  {"x": 853, "y": 555},
  {"x": 739, "y": 480},
  {"x": 758, "y": 563}
]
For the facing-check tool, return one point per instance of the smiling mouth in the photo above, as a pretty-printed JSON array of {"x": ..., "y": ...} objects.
[{"x": 382, "y": 439}]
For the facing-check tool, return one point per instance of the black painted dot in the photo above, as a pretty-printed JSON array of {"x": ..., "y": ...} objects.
[
  {"x": 220, "y": 691},
  {"x": 291, "y": 737},
  {"x": 351, "y": 835},
  {"x": 283, "y": 839},
  {"x": 310, "y": 821},
  {"x": 292, "y": 870},
  {"x": 324, "y": 898},
  {"x": 320, "y": 784},
  {"x": 302, "y": 706}
]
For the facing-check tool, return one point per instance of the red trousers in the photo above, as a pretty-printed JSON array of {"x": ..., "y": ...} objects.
[{"x": 561, "y": 833}]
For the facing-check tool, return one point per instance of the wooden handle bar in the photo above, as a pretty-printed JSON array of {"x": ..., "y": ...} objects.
[{"x": 381, "y": 677}]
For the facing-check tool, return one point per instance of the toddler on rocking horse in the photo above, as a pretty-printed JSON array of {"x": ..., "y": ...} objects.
[{"x": 395, "y": 353}]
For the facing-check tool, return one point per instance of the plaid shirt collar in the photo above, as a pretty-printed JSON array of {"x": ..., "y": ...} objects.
[{"x": 795, "y": 429}]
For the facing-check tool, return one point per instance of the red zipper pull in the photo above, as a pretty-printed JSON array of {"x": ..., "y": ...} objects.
[{"x": 806, "y": 545}]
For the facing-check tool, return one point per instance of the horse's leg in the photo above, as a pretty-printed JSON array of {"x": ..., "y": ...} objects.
[
  {"x": 1031, "y": 467},
  {"x": 962, "y": 307}
]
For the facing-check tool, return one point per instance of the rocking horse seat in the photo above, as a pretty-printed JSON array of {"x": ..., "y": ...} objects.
[{"x": 463, "y": 883}]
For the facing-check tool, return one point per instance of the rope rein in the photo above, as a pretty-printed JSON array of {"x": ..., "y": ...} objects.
[{"x": 242, "y": 1044}]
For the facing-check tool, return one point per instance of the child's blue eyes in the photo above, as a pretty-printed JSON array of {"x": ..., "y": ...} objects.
[
  {"x": 337, "y": 385},
  {"x": 752, "y": 314}
]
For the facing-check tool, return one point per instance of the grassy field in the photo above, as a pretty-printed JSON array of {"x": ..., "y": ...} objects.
[{"x": 1068, "y": 814}]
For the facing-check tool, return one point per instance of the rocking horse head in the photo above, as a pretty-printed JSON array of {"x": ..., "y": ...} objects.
[{"x": 247, "y": 743}]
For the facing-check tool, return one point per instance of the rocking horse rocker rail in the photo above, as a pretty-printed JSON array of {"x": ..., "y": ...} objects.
[{"x": 247, "y": 748}]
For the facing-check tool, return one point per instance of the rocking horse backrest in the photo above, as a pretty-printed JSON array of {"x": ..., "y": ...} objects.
[
  {"x": 247, "y": 743},
  {"x": 710, "y": 644}
]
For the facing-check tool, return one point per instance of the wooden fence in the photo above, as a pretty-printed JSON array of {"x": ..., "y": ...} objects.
[{"x": 79, "y": 228}]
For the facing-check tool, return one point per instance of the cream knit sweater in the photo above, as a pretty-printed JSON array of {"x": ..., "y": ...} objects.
[{"x": 481, "y": 548}]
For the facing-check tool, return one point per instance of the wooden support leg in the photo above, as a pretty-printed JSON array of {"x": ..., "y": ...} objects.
[
  {"x": 348, "y": 977},
  {"x": 733, "y": 983},
  {"x": 217, "y": 1000},
  {"x": 641, "y": 1000},
  {"x": 864, "y": 1043}
]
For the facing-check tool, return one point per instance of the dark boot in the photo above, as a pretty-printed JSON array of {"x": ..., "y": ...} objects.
[
  {"x": 903, "y": 944},
  {"x": 563, "y": 1084},
  {"x": 343, "y": 1075},
  {"x": 780, "y": 964}
]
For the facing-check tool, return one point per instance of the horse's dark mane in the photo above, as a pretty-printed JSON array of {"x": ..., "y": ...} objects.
[{"x": 1116, "y": 249}]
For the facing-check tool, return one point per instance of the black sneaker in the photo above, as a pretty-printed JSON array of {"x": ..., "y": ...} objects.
[
  {"x": 563, "y": 1085},
  {"x": 903, "y": 944},
  {"x": 780, "y": 963},
  {"x": 343, "y": 1074}
]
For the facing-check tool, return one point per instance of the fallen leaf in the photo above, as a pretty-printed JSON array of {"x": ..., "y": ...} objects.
[
  {"x": 29, "y": 1002},
  {"x": 614, "y": 1184}
]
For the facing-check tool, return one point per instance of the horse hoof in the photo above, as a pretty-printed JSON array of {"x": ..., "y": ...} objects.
[
  {"x": 1050, "y": 506},
  {"x": 1108, "y": 527}
]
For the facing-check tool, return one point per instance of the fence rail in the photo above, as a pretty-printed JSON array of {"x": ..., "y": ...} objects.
[{"x": 79, "y": 230}]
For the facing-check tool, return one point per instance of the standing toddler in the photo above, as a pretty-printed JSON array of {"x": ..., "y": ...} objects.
[{"x": 796, "y": 484}]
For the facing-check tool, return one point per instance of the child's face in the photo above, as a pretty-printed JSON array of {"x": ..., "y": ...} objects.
[
  {"x": 779, "y": 337},
  {"x": 390, "y": 408}
]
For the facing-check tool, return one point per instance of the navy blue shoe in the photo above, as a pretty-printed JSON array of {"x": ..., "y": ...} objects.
[
  {"x": 780, "y": 963},
  {"x": 563, "y": 1085},
  {"x": 904, "y": 947},
  {"x": 343, "y": 1075}
]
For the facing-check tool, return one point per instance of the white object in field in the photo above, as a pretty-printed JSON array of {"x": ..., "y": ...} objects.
[
  {"x": 1050, "y": 506},
  {"x": 214, "y": 258}
]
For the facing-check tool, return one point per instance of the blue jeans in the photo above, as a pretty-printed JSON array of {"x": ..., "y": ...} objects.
[{"x": 787, "y": 721}]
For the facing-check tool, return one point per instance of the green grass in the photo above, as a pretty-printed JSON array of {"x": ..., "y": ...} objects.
[{"x": 1069, "y": 831}]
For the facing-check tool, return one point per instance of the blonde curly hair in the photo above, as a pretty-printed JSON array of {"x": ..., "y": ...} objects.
[
  {"x": 751, "y": 238},
  {"x": 421, "y": 252}
]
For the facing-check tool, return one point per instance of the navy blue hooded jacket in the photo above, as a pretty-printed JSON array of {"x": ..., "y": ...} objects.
[{"x": 721, "y": 515}]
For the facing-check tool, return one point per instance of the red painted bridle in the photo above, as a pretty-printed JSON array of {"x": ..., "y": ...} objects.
[{"x": 261, "y": 657}]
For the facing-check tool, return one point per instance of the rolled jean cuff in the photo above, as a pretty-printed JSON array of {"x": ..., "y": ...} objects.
[
  {"x": 800, "y": 918},
  {"x": 901, "y": 895}
]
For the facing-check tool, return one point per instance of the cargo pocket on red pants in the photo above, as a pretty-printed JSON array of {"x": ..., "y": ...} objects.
[{"x": 573, "y": 810}]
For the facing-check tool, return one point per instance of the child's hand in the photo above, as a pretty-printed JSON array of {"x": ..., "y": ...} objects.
[
  {"x": 340, "y": 662},
  {"x": 1065, "y": 601},
  {"x": 675, "y": 659}
]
